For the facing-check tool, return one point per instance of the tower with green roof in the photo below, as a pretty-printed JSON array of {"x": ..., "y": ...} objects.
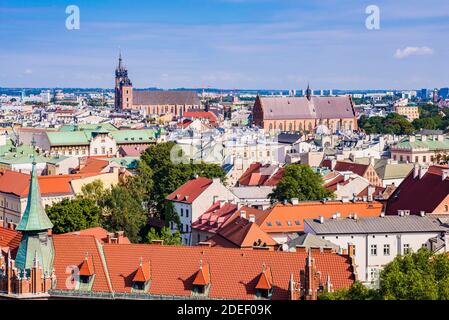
[{"x": 35, "y": 246}]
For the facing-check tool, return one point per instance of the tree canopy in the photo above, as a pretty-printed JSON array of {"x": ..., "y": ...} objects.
[
  {"x": 300, "y": 181},
  {"x": 393, "y": 123},
  {"x": 74, "y": 214},
  {"x": 423, "y": 275},
  {"x": 166, "y": 235}
]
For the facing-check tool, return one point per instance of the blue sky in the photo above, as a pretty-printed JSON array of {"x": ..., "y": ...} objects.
[{"x": 234, "y": 44}]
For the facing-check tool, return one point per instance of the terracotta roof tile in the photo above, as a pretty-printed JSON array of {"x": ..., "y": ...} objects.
[
  {"x": 190, "y": 190},
  {"x": 234, "y": 273},
  {"x": 71, "y": 251},
  {"x": 290, "y": 218},
  {"x": 49, "y": 185},
  {"x": 420, "y": 194}
]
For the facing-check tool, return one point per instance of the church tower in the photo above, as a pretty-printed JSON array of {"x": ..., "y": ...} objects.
[
  {"x": 123, "y": 87},
  {"x": 36, "y": 245}
]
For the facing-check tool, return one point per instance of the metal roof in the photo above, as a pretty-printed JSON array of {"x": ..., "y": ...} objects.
[{"x": 387, "y": 224}]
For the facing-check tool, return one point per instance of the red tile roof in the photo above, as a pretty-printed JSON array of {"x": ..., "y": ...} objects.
[
  {"x": 94, "y": 165},
  {"x": 215, "y": 217},
  {"x": 261, "y": 175},
  {"x": 190, "y": 190},
  {"x": 417, "y": 195},
  {"x": 11, "y": 239},
  {"x": 86, "y": 268},
  {"x": 245, "y": 234},
  {"x": 49, "y": 185},
  {"x": 201, "y": 115},
  {"x": 99, "y": 233},
  {"x": 131, "y": 151},
  {"x": 265, "y": 280},
  {"x": 202, "y": 277},
  {"x": 234, "y": 273},
  {"x": 143, "y": 273},
  {"x": 70, "y": 252},
  {"x": 290, "y": 218},
  {"x": 357, "y": 168}
]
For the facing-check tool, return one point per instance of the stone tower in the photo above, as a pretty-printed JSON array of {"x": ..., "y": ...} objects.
[{"x": 123, "y": 87}]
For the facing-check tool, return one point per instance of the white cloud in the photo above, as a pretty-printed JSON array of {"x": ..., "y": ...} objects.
[
  {"x": 28, "y": 72},
  {"x": 410, "y": 51}
]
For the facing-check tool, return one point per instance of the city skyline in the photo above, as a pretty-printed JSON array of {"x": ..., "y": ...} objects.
[{"x": 229, "y": 44}]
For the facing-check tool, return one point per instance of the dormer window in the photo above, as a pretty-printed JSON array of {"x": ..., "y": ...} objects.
[
  {"x": 201, "y": 283},
  {"x": 264, "y": 286},
  {"x": 86, "y": 274},
  {"x": 142, "y": 278}
]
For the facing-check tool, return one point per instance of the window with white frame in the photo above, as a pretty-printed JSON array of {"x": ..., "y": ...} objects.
[
  {"x": 386, "y": 249},
  {"x": 374, "y": 249},
  {"x": 406, "y": 248}
]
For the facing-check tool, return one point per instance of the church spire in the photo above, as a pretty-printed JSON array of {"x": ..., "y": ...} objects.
[
  {"x": 36, "y": 247},
  {"x": 308, "y": 92},
  {"x": 34, "y": 218}
]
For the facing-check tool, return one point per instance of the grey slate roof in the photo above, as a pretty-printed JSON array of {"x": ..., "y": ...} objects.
[
  {"x": 308, "y": 240},
  {"x": 301, "y": 108},
  {"x": 387, "y": 224},
  {"x": 148, "y": 97},
  {"x": 288, "y": 138}
]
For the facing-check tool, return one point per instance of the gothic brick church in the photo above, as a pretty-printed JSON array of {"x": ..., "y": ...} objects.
[
  {"x": 153, "y": 102},
  {"x": 305, "y": 114}
]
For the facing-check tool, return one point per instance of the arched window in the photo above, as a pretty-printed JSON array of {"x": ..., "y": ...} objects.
[{"x": 290, "y": 127}]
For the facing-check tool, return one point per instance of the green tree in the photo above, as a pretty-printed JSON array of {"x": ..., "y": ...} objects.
[
  {"x": 356, "y": 292},
  {"x": 300, "y": 181},
  {"x": 416, "y": 276},
  {"x": 123, "y": 210},
  {"x": 166, "y": 235},
  {"x": 165, "y": 176},
  {"x": 94, "y": 190},
  {"x": 74, "y": 215}
]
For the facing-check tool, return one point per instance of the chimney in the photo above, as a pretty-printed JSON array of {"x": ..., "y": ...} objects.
[
  {"x": 252, "y": 218},
  {"x": 422, "y": 171},
  {"x": 422, "y": 213},
  {"x": 412, "y": 139},
  {"x": 423, "y": 138},
  {"x": 382, "y": 214},
  {"x": 401, "y": 213},
  {"x": 243, "y": 214},
  {"x": 321, "y": 219},
  {"x": 415, "y": 171},
  {"x": 351, "y": 250},
  {"x": 444, "y": 174},
  {"x": 371, "y": 161},
  {"x": 157, "y": 242},
  {"x": 295, "y": 201},
  {"x": 355, "y": 217}
]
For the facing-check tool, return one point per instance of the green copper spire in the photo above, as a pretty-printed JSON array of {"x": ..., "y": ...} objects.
[
  {"x": 34, "y": 218},
  {"x": 36, "y": 247}
]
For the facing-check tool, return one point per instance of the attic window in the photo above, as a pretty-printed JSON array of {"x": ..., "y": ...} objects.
[
  {"x": 278, "y": 223},
  {"x": 269, "y": 224},
  {"x": 297, "y": 222},
  {"x": 289, "y": 223}
]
